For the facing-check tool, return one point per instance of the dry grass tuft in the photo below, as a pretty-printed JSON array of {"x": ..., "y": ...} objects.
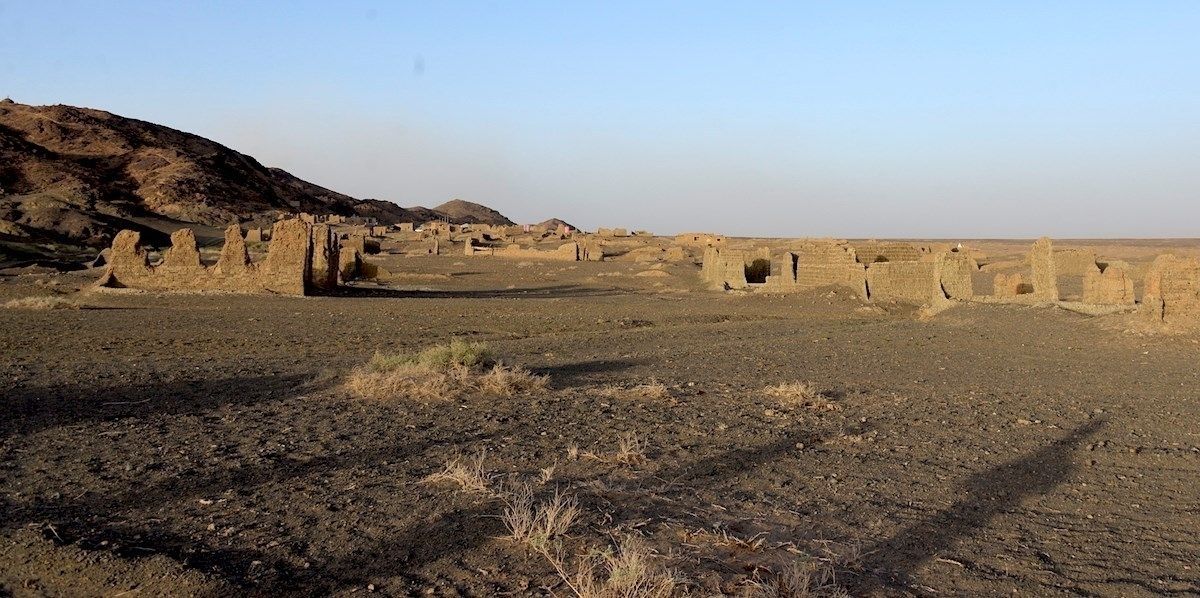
[
  {"x": 42, "y": 302},
  {"x": 631, "y": 570},
  {"x": 803, "y": 394},
  {"x": 809, "y": 579},
  {"x": 441, "y": 372},
  {"x": 631, "y": 450},
  {"x": 653, "y": 390},
  {"x": 469, "y": 474},
  {"x": 537, "y": 524},
  {"x": 503, "y": 381}
]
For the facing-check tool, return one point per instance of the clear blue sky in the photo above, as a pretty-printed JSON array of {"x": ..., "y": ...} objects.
[{"x": 944, "y": 119}]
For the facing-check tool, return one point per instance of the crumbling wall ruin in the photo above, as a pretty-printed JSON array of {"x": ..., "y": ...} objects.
[
  {"x": 701, "y": 240},
  {"x": 1172, "y": 290},
  {"x": 956, "y": 275},
  {"x": 1074, "y": 261},
  {"x": 568, "y": 252},
  {"x": 725, "y": 268},
  {"x": 1110, "y": 286},
  {"x": 291, "y": 267},
  {"x": 1045, "y": 276},
  {"x": 909, "y": 282},
  {"x": 873, "y": 251},
  {"x": 1010, "y": 285}
]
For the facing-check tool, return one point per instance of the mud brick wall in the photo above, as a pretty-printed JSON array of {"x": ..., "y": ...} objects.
[
  {"x": 1045, "y": 276},
  {"x": 1112, "y": 286},
  {"x": 567, "y": 252},
  {"x": 1172, "y": 289},
  {"x": 725, "y": 267},
  {"x": 871, "y": 252},
  {"x": 1074, "y": 262},
  {"x": 909, "y": 282},
  {"x": 291, "y": 266}
]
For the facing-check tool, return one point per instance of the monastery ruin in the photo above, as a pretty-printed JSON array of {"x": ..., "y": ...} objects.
[{"x": 314, "y": 254}]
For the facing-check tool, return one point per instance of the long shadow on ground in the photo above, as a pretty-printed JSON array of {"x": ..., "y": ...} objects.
[{"x": 990, "y": 493}]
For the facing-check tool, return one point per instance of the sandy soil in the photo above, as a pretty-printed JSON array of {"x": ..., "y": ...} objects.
[{"x": 203, "y": 445}]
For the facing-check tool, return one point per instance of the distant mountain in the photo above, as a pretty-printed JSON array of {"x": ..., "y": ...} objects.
[
  {"x": 76, "y": 176},
  {"x": 458, "y": 210},
  {"x": 554, "y": 223}
]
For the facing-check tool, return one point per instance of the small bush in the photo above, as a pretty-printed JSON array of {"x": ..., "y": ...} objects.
[
  {"x": 507, "y": 381},
  {"x": 631, "y": 450},
  {"x": 469, "y": 474},
  {"x": 653, "y": 390},
  {"x": 537, "y": 524},
  {"x": 441, "y": 372},
  {"x": 42, "y": 303},
  {"x": 458, "y": 353},
  {"x": 802, "y": 580},
  {"x": 629, "y": 571},
  {"x": 803, "y": 394}
]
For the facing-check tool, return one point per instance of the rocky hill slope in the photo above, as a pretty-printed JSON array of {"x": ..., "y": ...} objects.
[{"x": 76, "y": 176}]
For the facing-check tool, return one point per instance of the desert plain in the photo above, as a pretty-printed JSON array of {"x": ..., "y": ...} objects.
[{"x": 707, "y": 441}]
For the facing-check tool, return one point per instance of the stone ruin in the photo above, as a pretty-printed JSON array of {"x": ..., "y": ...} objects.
[
  {"x": 937, "y": 273},
  {"x": 701, "y": 240},
  {"x": 886, "y": 272},
  {"x": 568, "y": 252},
  {"x": 1045, "y": 275},
  {"x": 301, "y": 259},
  {"x": 1110, "y": 285},
  {"x": 1172, "y": 290}
]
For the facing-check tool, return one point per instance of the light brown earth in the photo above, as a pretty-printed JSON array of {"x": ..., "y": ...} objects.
[{"x": 197, "y": 444}]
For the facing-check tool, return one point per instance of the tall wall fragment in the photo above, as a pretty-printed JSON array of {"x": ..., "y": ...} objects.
[
  {"x": 1111, "y": 286},
  {"x": 725, "y": 268},
  {"x": 1172, "y": 290},
  {"x": 1045, "y": 277},
  {"x": 288, "y": 268}
]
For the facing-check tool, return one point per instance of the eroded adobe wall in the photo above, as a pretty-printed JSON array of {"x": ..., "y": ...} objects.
[
  {"x": 909, "y": 282},
  {"x": 1045, "y": 276},
  {"x": 1010, "y": 285},
  {"x": 1074, "y": 262},
  {"x": 874, "y": 251},
  {"x": 1172, "y": 290},
  {"x": 825, "y": 263},
  {"x": 725, "y": 268},
  {"x": 567, "y": 252},
  {"x": 290, "y": 266},
  {"x": 957, "y": 271},
  {"x": 700, "y": 240},
  {"x": 1111, "y": 286}
]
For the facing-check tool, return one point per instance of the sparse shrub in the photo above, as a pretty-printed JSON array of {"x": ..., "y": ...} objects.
[
  {"x": 809, "y": 579},
  {"x": 650, "y": 390},
  {"x": 628, "y": 571},
  {"x": 537, "y": 524},
  {"x": 631, "y": 450},
  {"x": 469, "y": 474},
  {"x": 441, "y": 372},
  {"x": 803, "y": 394},
  {"x": 42, "y": 302},
  {"x": 507, "y": 381}
]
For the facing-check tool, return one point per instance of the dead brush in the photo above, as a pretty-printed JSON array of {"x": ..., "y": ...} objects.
[
  {"x": 630, "y": 570},
  {"x": 42, "y": 303},
  {"x": 652, "y": 390},
  {"x": 468, "y": 473},
  {"x": 807, "y": 579},
  {"x": 631, "y": 450},
  {"x": 537, "y": 524},
  {"x": 801, "y": 394},
  {"x": 441, "y": 372},
  {"x": 504, "y": 381}
]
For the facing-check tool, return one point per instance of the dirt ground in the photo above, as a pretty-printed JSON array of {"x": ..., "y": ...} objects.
[{"x": 203, "y": 445}]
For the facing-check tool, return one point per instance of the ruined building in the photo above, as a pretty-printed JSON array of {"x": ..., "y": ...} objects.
[{"x": 302, "y": 259}]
